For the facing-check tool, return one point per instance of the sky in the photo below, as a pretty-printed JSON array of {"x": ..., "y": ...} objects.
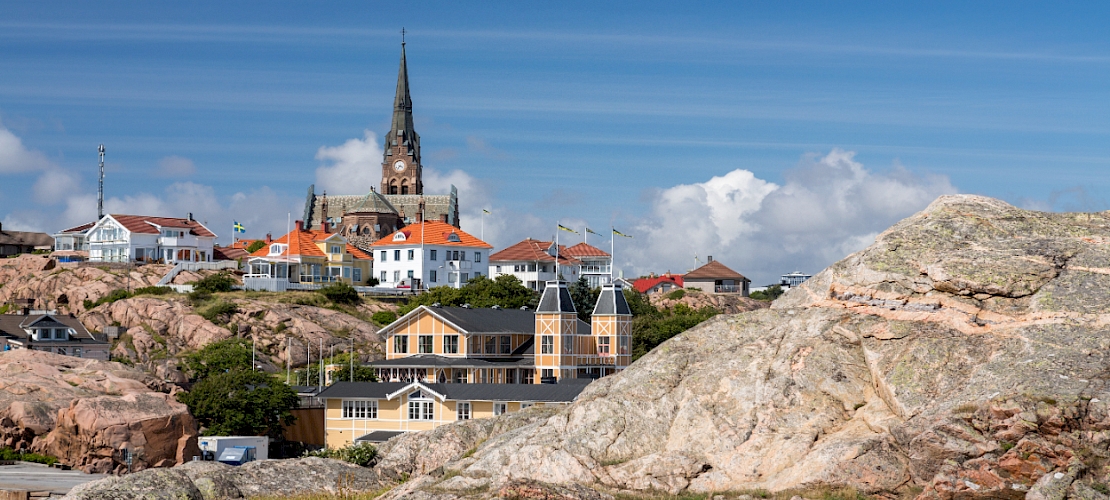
[{"x": 774, "y": 136}]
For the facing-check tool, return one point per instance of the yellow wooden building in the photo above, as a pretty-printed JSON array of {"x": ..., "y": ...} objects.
[
  {"x": 376, "y": 411},
  {"x": 308, "y": 256},
  {"x": 492, "y": 345}
]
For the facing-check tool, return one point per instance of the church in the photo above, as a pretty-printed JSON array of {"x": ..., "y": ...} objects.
[{"x": 365, "y": 218}]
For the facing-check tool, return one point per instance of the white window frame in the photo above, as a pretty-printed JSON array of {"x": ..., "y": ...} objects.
[
  {"x": 360, "y": 409},
  {"x": 423, "y": 341},
  {"x": 453, "y": 347},
  {"x": 547, "y": 344},
  {"x": 421, "y": 409},
  {"x": 463, "y": 410},
  {"x": 500, "y": 408}
]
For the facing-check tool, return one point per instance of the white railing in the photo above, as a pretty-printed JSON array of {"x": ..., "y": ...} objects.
[
  {"x": 728, "y": 288},
  {"x": 459, "y": 265},
  {"x": 596, "y": 269}
]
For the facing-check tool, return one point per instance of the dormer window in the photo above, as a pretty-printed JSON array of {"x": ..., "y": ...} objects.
[
  {"x": 453, "y": 237},
  {"x": 399, "y": 237},
  {"x": 336, "y": 249},
  {"x": 277, "y": 248}
]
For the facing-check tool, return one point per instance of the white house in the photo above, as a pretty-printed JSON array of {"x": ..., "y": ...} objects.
[
  {"x": 427, "y": 255},
  {"x": 139, "y": 238},
  {"x": 533, "y": 263}
]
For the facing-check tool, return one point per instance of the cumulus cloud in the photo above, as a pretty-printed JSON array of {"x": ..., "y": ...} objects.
[
  {"x": 54, "y": 186},
  {"x": 354, "y": 166},
  {"x": 176, "y": 166},
  {"x": 15, "y": 157},
  {"x": 828, "y": 207}
]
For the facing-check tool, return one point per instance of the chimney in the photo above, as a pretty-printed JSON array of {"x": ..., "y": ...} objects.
[
  {"x": 190, "y": 216},
  {"x": 325, "y": 226},
  {"x": 710, "y": 259},
  {"x": 443, "y": 218},
  {"x": 269, "y": 238},
  {"x": 300, "y": 225}
]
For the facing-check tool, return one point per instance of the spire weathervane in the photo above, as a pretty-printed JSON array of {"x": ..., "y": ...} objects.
[{"x": 402, "y": 35}]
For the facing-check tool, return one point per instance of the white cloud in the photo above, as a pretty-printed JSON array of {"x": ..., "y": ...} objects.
[
  {"x": 356, "y": 166},
  {"x": 176, "y": 166},
  {"x": 55, "y": 186},
  {"x": 14, "y": 157},
  {"x": 828, "y": 207}
]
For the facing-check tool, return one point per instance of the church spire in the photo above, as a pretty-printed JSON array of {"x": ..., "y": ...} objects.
[
  {"x": 402, "y": 102},
  {"x": 401, "y": 170}
]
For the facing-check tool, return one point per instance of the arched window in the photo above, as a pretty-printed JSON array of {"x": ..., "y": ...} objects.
[
  {"x": 420, "y": 406},
  {"x": 405, "y": 187},
  {"x": 393, "y": 187}
]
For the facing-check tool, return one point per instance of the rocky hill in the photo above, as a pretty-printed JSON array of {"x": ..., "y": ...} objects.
[
  {"x": 727, "y": 304},
  {"x": 83, "y": 411},
  {"x": 963, "y": 355}
]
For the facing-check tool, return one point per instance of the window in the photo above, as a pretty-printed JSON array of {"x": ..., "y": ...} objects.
[
  {"x": 491, "y": 345},
  {"x": 336, "y": 249},
  {"x": 396, "y": 276},
  {"x": 547, "y": 373},
  {"x": 529, "y": 377},
  {"x": 568, "y": 344},
  {"x": 410, "y": 273},
  {"x": 531, "y": 268},
  {"x": 547, "y": 344},
  {"x": 425, "y": 344},
  {"x": 526, "y": 405},
  {"x": 62, "y": 351},
  {"x": 477, "y": 256},
  {"x": 383, "y": 278},
  {"x": 500, "y": 408},
  {"x": 450, "y": 344},
  {"x": 346, "y": 272},
  {"x": 401, "y": 344},
  {"x": 623, "y": 339},
  {"x": 360, "y": 408},
  {"x": 477, "y": 273},
  {"x": 356, "y": 275},
  {"x": 462, "y": 410},
  {"x": 419, "y": 407},
  {"x": 466, "y": 277},
  {"x": 396, "y": 255},
  {"x": 516, "y": 268},
  {"x": 506, "y": 344},
  {"x": 475, "y": 345},
  {"x": 385, "y": 254},
  {"x": 603, "y": 345},
  {"x": 412, "y": 254},
  {"x": 432, "y": 254},
  {"x": 77, "y": 351},
  {"x": 432, "y": 276},
  {"x": 498, "y": 268}
]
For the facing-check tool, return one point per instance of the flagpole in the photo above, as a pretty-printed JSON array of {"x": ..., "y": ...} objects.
[
  {"x": 612, "y": 251},
  {"x": 556, "y": 249},
  {"x": 585, "y": 237}
]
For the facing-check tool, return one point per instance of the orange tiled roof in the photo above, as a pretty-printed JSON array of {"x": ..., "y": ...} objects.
[
  {"x": 304, "y": 244},
  {"x": 532, "y": 250},
  {"x": 585, "y": 250},
  {"x": 642, "y": 285},
  {"x": 434, "y": 233},
  {"x": 146, "y": 225},
  {"x": 244, "y": 243},
  {"x": 714, "y": 270}
]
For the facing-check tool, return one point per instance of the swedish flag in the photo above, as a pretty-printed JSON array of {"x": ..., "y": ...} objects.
[
  {"x": 239, "y": 228},
  {"x": 564, "y": 228},
  {"x": 591, "y": 231},
  {"x": 618, "y": 233}
]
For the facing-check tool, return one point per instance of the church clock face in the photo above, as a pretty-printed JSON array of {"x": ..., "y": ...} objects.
[{"x": 399, "y": 166}]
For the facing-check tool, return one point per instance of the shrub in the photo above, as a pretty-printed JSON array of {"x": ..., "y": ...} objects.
[
  {"x": 198, "y": 297},
  {"x": 10, "y": 454},
  {"x": 255, "y": 246},
  {"x": 677, "y": 294},
  {"x": 384, "y": 317},
  {"x": 341, "y": 293},
  {"x": 152, "y": 290},
  {"x": 361, "y": 454},
  {"x": 220, "y": 312},
  {"x": 213, "y": 283}
]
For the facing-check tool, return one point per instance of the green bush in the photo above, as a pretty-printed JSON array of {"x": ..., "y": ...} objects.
[
  {"x": 220, "y": 312},
  {"x": 214, "y": 283},
  {"x": 10, "y": 454},
  {"x": 198, "y": 297},
  {"x": 152, "y": 290},
  {"x": 384, "y": 317},
  {"x": 677, "y": 294},
  {"x": 773, "y": 292},
  {"x": 361, "y": 454},
  {"x": 341, "y": 293},
  {"x": 255, "y": 246}
]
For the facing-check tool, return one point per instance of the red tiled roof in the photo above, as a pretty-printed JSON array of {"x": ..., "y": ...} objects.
[
  {"x": 584, "y": 250},
  {"x": 714, "y": 270},
  {"x": 228, "y": 253},
  {"x": 304, "y": 244},
  {"x": 244, "y": 243},
  {"x": 79, "y": 229},
  {"x": 434, "y": 233},
  {"x": 149, "y": 225},
  {"x": 642, "y": 285},
  {"x": 532, "y": 250}
]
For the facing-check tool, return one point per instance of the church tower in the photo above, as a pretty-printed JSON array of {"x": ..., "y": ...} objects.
[{"x": 401, "y": 169}]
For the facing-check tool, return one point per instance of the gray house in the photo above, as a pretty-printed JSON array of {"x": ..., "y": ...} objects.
[
  {"x": 715, "y": 277},
  {"x": 17, "y": 242}
]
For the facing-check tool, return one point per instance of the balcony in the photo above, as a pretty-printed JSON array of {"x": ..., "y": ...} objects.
[
  {"x": 596, "y": 269},
  {"x": 459, "y": 265},
  {"x": 728, "y": 288},
  {"x": 184, "y": 241}
]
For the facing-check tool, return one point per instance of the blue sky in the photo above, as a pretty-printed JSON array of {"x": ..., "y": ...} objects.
[{"x": 636, "y": 114}]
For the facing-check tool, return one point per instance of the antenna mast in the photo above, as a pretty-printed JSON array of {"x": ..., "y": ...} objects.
[{"x": 100, "y": 186}]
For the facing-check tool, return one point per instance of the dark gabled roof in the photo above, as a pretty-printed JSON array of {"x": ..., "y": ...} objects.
[
  {"x": 25, "y": 238},
  {"x": 11, "y": 325},
  {"x": 556, "y": 299},
  {"x": 714, "y": 270},
  {"x": 375, "y": 203},
  {"x": 488, "y": 320},
  {"x": 564, "y": 392},
  {"x": 437, "y": 361},
  {"x": 611, "y": 302}
]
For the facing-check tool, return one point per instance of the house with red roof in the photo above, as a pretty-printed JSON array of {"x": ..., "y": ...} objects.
[
  {"x": 141, "y": 238},
  {"x": 429, "y": 254},
  {"x": 533, "y": 262},
  {"x": 658, "y": 284},
  {"x": 596, "y": 264},
  {"x": 308, "y": 256}
]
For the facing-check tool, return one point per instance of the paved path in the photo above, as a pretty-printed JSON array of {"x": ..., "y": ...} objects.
[{"x": 38, "y": 477}]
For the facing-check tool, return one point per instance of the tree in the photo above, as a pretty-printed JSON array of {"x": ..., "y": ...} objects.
[
  {"x": 241, "y": 403},
  {"x": 343, "y": 373},
  {"x": 773, "y": 292},
  {"x": 213, "y": 283},
  {"x": 505, "y": 291},
  {"x": 650, "y": 330},
  {"x": 584, "y": 298},
  {"x": 219, "y": 357},
  {"x": 341, "y": 293},
  {"x": 255, "y": 246}
]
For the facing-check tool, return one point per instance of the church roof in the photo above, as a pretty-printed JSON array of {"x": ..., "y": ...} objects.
[
  {"x": 373, "y": 203},
  {"x": 402, "y": 126},
  {"x": 431, "y": 233}
]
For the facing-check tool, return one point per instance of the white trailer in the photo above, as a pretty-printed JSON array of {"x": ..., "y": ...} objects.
[{"x": 212, "y": 446}]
